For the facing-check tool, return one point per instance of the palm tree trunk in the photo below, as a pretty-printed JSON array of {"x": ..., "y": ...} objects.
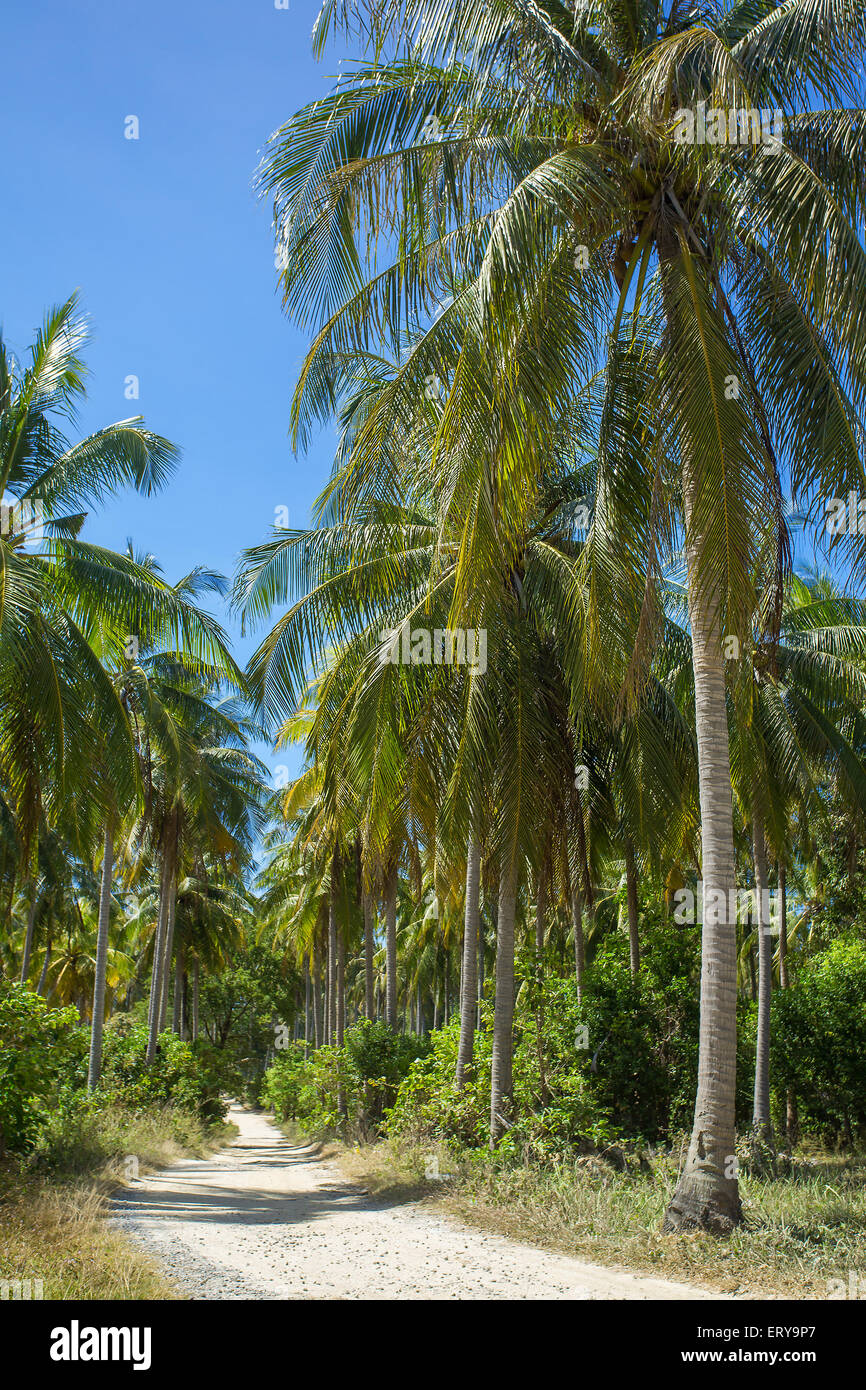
[
  {"x": 94, "y": 1069},
  {"x": 46, "y": 962},
  {"x": 631, "y": 895},
  {"x": 28, "y": 935},
  {"x": 169, "y": 948},
  {"x": 707, "y": 1192},
  {"x": 792, "y": 1125},
  {"x": 156, "y": 965},
  {"x": 177, "y": 1009},
  {"x": 391, "y": 949},
  {"x": 155, "y": 1004},
  {"x": 341, "y": 989},
  {"x": 581, "y": 877},
  {"x": 307, "y": 993},
  {"x": 481, "y": 952},
  {"x": 761, "y": 1118},
  {"x": 579, "y": 940},
  {"x": 369, "y": 999},
  {"x": 783, "y": 927},
  {"x": 195, "y": 985},
  {"x": 540, "y": 937},
  {"x": 469, "y": 979},
  {"x": 331, "y": 1030},
  {"x": 318, "y": 1000},
  {"x": 503, "y": 1010}
]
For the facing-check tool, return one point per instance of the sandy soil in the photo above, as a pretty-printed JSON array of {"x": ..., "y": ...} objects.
[{"x": 267, "y": 1219}]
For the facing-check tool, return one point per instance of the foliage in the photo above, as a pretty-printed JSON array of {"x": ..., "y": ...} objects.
[
  {"x": 42, "y": 1052},
  {"x": 347, "y": 1089},
  {"x": 246, "y": 1009},
  {"x": 187, "y": 1075},
  {"x": 819, "y": 1026}
]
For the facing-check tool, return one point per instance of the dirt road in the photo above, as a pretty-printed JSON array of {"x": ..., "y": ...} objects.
[{"x": 267, "y": 1219}]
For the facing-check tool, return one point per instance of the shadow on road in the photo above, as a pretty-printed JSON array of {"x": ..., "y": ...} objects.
[{"x": 250, "y": 1193}]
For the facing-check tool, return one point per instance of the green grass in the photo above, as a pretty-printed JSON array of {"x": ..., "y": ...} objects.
[
  {"x": 801, "y": 1229},
  {"x": 52, "y": 1225}
]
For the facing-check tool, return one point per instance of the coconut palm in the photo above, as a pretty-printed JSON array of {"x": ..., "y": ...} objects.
[{"x": 544, "y": 153}]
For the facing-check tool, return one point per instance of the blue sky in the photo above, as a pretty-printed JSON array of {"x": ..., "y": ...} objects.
[
  {"x": 170, "y": 249},
  {"x": 168, "y": 246}
]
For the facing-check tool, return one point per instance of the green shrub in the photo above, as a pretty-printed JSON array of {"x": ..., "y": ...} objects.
[
  {"x": 43, "y": 1055},
  {"x": 819, "y": 1042},
  {"x": 342, "y": 1090},
  {"x": 619, "y": 1067},
  {"x": 187, "y": 1075},
  {"x": 428, "y": 1108}
]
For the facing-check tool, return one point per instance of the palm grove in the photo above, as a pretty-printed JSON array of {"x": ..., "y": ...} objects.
[{"x": 544, "y": 647}]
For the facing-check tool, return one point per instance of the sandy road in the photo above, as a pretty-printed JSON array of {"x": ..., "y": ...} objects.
[{"x": 267, "y": 1219}]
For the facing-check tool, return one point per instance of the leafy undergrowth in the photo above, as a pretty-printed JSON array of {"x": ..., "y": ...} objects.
[
  {"x": 52, "y": 1210},
  {"x": 802, "y": 1230}
]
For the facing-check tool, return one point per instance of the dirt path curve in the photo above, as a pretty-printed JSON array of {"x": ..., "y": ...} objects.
[{"x": 267, "y": 1219}]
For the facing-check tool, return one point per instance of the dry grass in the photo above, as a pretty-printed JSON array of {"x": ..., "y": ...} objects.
[
  {"x": 53, "y": 1228},
  {"x": 802, "y": 1230}
]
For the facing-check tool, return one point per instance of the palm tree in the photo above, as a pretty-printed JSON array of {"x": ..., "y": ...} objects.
[
  {"x": 575, "y": 114},
  {"x": 170, "y": 630},
  {"x": 800, "y": 698}
]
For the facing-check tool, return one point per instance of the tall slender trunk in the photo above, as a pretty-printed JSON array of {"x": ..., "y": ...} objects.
[
  {"x": 469, "y": 976},
  {"x": 331, "y": 1032},
  {"x": 540, "y": 938},
  {"x": 341, "y": 989},
  {"x": 169, "y": 948},
  {"x": 45, "y": 964},
  {"x": 318, "y": 994},
  {"x": 28, "y": 935},
  {"x": 579, "y": 940},
  {"x": 631, "y": 896},
  {"x": 482, "y": 946},
  {"x": 783, "y": 927},
  {"x": 195, "y": 986},
  {"x": 707, "y": 1192},
  {"x": 792, "y": 1120},
  {"x": 307, "y": 993},
  {"x": 761, "y": 1118},
  {"x": 94, "y": 1068},
  {"x": 391, "y": 949},
  {"x": 177, "y": 1009},
  {"x": 578, "y": 898},
  {"x": 155, "y": 1001},
  {"x": 340, "y": 1019},
  {"x": 583, "y": 856},
  {"x": 369, "y": 996},
  {"x": 503, "y": 1010}
]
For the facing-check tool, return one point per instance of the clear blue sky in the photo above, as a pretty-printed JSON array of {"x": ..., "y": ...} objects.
[
  {"x": 171, "y": 251},
  {"x": 169, "y": 247}
]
